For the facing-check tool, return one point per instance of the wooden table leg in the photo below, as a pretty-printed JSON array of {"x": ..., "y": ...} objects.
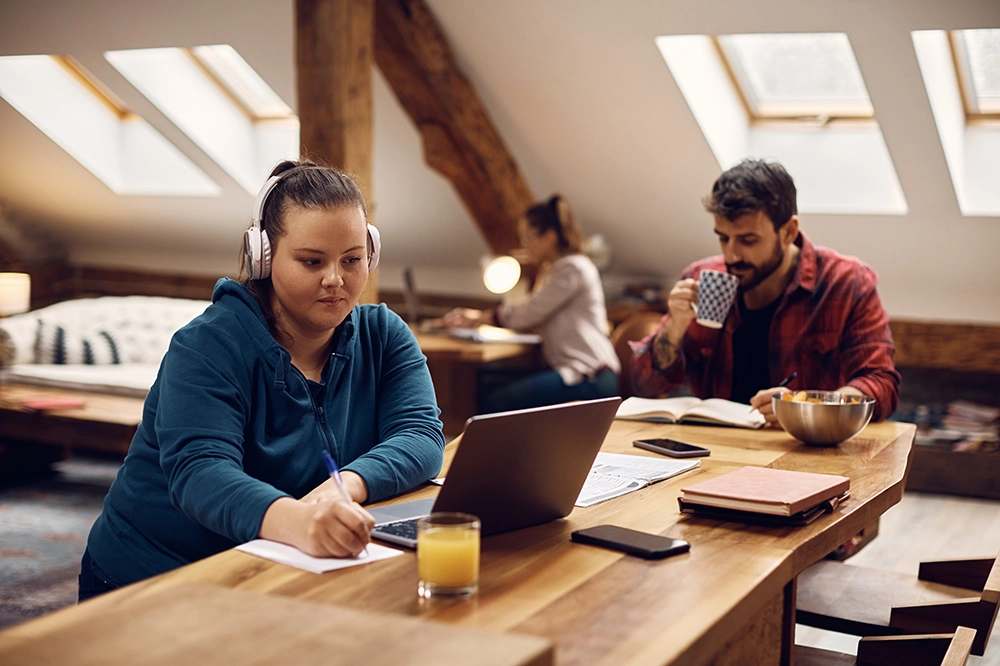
[
  {"x": 788, "y": 624},
  {"x": 19, "y": 460},
  {"x": 456, "y": 392},
  {"x": 768, "y": 638}
]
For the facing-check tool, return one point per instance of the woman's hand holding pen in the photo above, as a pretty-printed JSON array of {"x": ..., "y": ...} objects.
[
  {"x": 335, "y": 527},
  {"x": 321, "y": 526}
]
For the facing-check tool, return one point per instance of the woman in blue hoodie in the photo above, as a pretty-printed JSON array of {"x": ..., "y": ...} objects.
[{"x": 283, "y": 366}]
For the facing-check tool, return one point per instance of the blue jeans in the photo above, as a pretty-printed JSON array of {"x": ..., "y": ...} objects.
[
  {"x": 93, "y": 581},
  {"x": 547, "y": 388}
]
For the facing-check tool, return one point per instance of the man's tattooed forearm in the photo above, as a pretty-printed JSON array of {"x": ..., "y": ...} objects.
[{"x": 664, "y": 351}]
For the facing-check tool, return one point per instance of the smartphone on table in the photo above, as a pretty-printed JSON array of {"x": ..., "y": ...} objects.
[
  {"x": 672, "y": 448},
  {"x": 633, "y": 542}
]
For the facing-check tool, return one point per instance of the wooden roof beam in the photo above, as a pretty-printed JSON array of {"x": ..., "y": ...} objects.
[
  {"x": 459, "y": 139},
  {"x": 333, "y": 57}
]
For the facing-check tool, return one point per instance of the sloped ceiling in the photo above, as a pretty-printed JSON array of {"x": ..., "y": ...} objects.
[{"x": 581, "y": 95}]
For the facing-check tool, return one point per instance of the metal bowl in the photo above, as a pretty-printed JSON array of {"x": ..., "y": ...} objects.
[{"x": 836, "y": 418}]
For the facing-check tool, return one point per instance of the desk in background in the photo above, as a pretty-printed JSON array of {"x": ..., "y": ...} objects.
[
  {"x": 729, "y": 601},
  {"x": 455, "y": 365},
  {"x": 105, "y": 422}
]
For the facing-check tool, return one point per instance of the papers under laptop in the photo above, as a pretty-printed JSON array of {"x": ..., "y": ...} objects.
[{"x": 512, "y": 469}]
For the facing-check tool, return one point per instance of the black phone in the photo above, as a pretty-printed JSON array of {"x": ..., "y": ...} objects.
[
  {"x": 633, "y": 542},
  {"x": 672, "y": 448}
]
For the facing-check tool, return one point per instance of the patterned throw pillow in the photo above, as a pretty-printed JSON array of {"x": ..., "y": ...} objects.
[
  {"x": 7, "y": 350},
  {"x": 55, "y": 344}
]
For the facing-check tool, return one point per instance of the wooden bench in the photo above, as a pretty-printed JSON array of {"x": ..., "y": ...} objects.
[
  {"x": 919, "y": 650},
  {"x": 867, "y": 602}
]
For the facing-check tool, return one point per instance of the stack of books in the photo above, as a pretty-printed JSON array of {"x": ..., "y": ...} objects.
[
  {"x": 768, "y": 496},
  {"x": 977, "y": 424},
  {"x": 964, "y": 426}
]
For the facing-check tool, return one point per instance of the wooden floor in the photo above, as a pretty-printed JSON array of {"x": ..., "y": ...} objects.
[{"x": 925, "y": 527}]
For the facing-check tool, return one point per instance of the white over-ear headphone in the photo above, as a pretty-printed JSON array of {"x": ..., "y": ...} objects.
[{"x": 257, "y": 246}]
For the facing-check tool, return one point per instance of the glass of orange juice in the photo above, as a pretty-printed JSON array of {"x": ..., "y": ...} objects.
[{"x": 448, "y": 555}]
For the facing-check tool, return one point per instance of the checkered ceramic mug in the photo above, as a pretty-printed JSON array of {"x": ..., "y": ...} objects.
[{"x": 716, "y": 292}]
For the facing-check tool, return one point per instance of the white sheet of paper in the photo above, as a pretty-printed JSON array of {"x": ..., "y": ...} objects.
[
  {"x": 641, "y": 467},
  {"x": 293, "y": 557},
  {"x": 615, "y": 474},
  {"x": 600, "y": 487}
]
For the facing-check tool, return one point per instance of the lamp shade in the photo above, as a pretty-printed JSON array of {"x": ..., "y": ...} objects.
[
  {"x": 15, "y": 293},
  {"x": 500, "y": 274},
  {"x": 599, "y": 250}
]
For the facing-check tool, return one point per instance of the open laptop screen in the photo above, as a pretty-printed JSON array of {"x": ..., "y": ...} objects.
[{"x": 521, "y": 468}]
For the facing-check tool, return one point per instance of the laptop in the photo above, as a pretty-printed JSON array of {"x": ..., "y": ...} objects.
[
  {"x": 410, "y": 297},
  {"x": 512, "y": 470}
]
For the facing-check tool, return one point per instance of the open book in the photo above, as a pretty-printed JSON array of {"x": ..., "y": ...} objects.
[
  {"x": 714, "y": 411},
  {"x": 615, "y": 474}
]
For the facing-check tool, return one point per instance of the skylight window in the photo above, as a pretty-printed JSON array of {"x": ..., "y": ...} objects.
[
  {"x": 797, "y": 75},
  {"x": 90, "y": 123},
  {"x": 235, "y": 118},
  {"x": 838, "y": 167},
  {"x": 240, "y": 79},
  {"x": 953, "y": 65},
  {"x": 977, "y": 60}
]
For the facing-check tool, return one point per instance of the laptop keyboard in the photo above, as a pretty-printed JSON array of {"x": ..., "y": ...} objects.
[{"x": 403, "y": 528}]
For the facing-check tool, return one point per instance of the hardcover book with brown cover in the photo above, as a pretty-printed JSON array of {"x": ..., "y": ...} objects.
[{"x": 765, "y": 490}]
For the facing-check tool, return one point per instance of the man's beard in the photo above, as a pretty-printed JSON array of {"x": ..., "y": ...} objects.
[{"x": 758, "y": 274}]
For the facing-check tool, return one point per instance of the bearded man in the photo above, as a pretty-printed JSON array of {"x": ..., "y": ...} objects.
[{"x": 799, "y": 308}]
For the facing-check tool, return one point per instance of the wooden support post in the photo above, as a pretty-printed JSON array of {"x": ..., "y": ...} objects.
[
  {"x": 333, "y": 56},
  {"x": 459, "y": 138}
]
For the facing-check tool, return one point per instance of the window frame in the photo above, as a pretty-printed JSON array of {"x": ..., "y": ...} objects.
[
  {"x": 960, "y": 59},
  {"x": 208, "y": 69},
  {"x": 734, "y": 72},
  {"x": 94, "y": 86}
]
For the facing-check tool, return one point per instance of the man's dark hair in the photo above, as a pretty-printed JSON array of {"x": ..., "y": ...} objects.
[{"x": 750, "y": 186}]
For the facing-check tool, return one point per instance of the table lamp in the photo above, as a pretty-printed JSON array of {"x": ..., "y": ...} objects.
[
  {"x": 500, "y": 274},
  {"x": 15, "y": 293},
  {"x": 15, "y": 298}
]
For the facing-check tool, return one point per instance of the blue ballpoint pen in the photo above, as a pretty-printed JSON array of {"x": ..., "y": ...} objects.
[{"x": 331, "y": 467}]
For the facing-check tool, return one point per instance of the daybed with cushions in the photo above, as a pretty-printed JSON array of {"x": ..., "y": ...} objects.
[{"x": 111, "y": 344}]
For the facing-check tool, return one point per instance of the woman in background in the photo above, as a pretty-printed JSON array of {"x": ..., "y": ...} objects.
[
  {"x": 566, "y": 306},
  {"x": 282, "y": 367}
]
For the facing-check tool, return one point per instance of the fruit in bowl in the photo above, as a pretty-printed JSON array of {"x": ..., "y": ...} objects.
[{"x": 822, "y": 418}]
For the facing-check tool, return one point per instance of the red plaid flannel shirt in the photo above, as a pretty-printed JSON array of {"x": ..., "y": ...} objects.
[{"x": 829, "y": 326}]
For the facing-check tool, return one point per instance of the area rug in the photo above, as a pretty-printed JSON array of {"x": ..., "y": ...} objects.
[{"x": 44, "y": 522}]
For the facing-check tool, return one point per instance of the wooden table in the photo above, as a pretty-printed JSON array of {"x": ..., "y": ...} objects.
[
  {"x": 455, "y": 365},
  {"x": 729, "y": 601},
  {"x": 168, "y": 628},
  {"x": 104, "y": 423}
]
